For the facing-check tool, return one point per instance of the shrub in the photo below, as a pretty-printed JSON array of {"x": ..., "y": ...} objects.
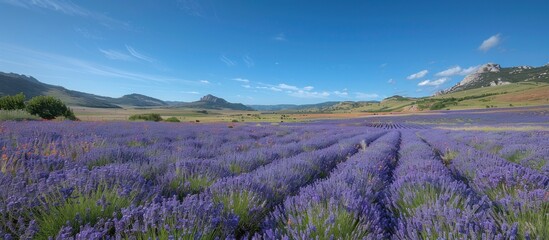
[
  {"x": 16, "y": 102},
  {"x": 48, "y": 107},
  {"x": 172, "y": 119},
  {"x": 146, "y": 117}
]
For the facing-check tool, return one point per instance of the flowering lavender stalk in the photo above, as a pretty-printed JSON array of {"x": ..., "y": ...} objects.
[
  {"x": 429, "y": 203},
  {"x": 520, "y": 194},
  {"x": 344, "y": 206}
]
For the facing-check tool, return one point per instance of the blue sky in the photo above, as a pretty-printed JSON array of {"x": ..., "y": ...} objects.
[{"x": 267, "y": 52}]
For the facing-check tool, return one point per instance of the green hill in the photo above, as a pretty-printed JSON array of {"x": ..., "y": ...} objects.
[{"x": 11, "y": 83}]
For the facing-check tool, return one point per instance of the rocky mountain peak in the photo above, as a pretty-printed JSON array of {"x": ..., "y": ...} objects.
[
  {"x": 212, "y": 99},
  {"x": 489, "y": 67}
]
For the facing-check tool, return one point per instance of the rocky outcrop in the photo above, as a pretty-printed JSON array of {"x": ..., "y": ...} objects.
[
  {"x": 212, "y": 99},
  {"x": 474, "y": 78}
]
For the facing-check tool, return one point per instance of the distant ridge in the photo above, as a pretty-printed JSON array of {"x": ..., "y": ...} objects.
[
  {"x": 212, "y": 102},
  {"x": 12, "y": 83},
  {"x": 492, "y": 74}
]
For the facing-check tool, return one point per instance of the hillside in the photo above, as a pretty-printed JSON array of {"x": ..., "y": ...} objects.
[
  {"x": 492, "y": 74},
  {"x": 212, "y": 102},
  {"x": 11, "y": 83}
]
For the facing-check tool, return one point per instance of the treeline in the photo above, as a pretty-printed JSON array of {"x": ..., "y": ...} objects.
[{"x": 46, "y": 107}]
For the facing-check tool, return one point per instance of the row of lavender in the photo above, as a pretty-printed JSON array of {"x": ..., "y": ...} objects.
[
  {"x": 519, "y": 195},
  {"x": 527, "y": 148},
  {"x": 302, "y": 181},
  {"x": 76, "y": 179}
]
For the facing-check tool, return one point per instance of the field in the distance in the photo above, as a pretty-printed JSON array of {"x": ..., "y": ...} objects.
[{"x": 481, "y": 174}]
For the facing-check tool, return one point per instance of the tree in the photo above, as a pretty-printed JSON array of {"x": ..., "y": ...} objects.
[
  {"x": 16, "y": 102},
  {"x": 48, "y": 107}
]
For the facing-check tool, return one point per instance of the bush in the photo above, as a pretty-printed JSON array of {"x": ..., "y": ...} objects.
[
  {"x": 16, "y": 102},
  {"x": 172, "y": 119},
  {"x": 48, "y": 107},
  {"x": 146, "y": 117}
]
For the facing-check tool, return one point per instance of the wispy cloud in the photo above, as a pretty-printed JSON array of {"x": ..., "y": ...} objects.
[
  {"x": 287, "y": 87},
  {"x": 69, "y": 8},
  {"x": 227, "y": 61},
  {"x": 116, "y": 55},
  {"x": 46, "y": 62},
  {"x": 391, "y": 81},
  {"x": 191, "y": 92},
  {"x": 435, "y": 83},
  {"x": 244, "y": 80},
  {"x": 249, "y": 61},
  {"x": 341, "y": 93},
  {"x": 457, "y": 70},
  {"x": 308, "y": 94},
  {"x": 418, "y": 75},
  {"x": 490, "y": 43},
  {"x": 366, "y": 96},
  {"x": 204, "y": 81},
  {"x": 383, "y": 65},
  {"x": 138, "y": 55},
  {"x": 280, "y": 37}
]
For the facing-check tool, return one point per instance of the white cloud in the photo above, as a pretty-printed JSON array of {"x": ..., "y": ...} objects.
[
  {"x": 227, "y": 60},
  {"x": 138, "y": 55},
  {"x": 391, "y": 81},
  {"x": 241, "y": 80},
  {"x": 449, "y": 72},
  {"x": 307, "y": 94},
  {"x": 191, "y": 92},
  {"x": 308, "y": 88},
  {"x": 437, "y": 82},
  {"x": 457, "y": 70},
  {"x": 287, "y": 87},
  {"x": 249, "y": 61},
  {"x": 490, "y": 43},
  {"x": 246, "y": 86},
  {"x": 205, "y": 81},
  {"x": 341, "y": 93},
  {"x": 116, "y": 55},
  {"x": 366, "y": 96},
  {"x": 418, "y": 75},
  {"x": 280, "y": 37},
  {"x": 469, "y": 70}
]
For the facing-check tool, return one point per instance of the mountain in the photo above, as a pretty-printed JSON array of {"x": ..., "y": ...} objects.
[
  {"x": 11, "y": 83},
  {"x": 212, "y": 102},
  {"x": 138, "y": 100},
  {"x": 492, "y": 74},
  {"x": 294, "y": 107}
]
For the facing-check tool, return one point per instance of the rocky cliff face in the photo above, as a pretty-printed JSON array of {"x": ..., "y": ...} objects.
[
  {"x": 476, "y": 78},
  {"x": 492, "y": 74}
]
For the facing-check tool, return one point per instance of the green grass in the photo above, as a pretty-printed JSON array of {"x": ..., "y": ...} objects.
[
  {"x": 235, "y": 168},
  {"x": 16, "y": 115},
  {"x": 346, "y": 225},
  {"x": 412, "y": 196},
  {"x": 78, "y": 210},
  {"x": 448, "y": 156},
  {"x": 183, "y": 185},
  {"x": 517, "y": 156},
  {"x": 242, "y": 204}
]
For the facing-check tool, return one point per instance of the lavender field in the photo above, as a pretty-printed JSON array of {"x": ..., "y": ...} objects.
[{"x": 370, "y": 178}]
